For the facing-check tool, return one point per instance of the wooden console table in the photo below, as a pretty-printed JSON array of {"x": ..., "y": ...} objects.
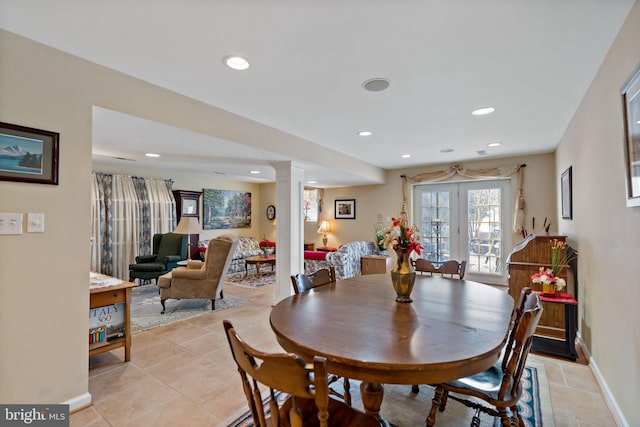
[{"x": 106, "y": 298}]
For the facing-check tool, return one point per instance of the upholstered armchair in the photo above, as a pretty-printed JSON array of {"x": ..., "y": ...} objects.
[
  {"x": 168, "y": 249},
  {"x": 200, "y": 280}
]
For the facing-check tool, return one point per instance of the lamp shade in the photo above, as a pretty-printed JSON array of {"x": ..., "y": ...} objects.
[
  {"x": 188, "y": 225},
  {"x": 325, "y": 227}
]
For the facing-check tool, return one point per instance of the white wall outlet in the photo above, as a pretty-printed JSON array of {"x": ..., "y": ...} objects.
[
  {"x": 10, "y": 223},
  {"x": 35, "y": 223}
]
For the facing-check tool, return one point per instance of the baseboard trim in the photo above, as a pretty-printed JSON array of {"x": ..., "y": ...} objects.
[
  {"x": 78, "y": 402},
  {"x": 606, "y": 392}
]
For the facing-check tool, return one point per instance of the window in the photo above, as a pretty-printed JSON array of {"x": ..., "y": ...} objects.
[
  {"x": 464, "y": 221},
  {"x": 310, "y": 205}
]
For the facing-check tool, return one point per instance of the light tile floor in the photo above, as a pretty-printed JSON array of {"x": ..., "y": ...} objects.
[{"x": 183, "y": 375}]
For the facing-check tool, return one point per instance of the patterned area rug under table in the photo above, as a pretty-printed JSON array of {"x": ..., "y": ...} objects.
[{"x": 402, "y": 408}]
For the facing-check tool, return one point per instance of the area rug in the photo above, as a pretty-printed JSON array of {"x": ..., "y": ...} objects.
[
  {"x": 251, "y": 280},
  {"x": 146, "y": 308},
  {"x": 402, "y": 408}
]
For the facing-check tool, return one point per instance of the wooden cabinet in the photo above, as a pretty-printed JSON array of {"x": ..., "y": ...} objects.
[
  {"x": 525, "y": 259},
  {"x": 188, "y": 204},
  {"x": 376, "y": 264}
]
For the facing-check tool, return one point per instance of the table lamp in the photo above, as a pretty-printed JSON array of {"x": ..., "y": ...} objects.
[
  {"x": 188, "y": 225},
  {"x": 324, "y": 228}
]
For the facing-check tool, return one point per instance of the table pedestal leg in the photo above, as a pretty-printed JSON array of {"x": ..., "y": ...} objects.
[{"x": 372, "y": 394}]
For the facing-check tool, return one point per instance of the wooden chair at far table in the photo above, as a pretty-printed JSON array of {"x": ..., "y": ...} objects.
[
  {"x": 302, "y": 283},
  {"x": 308, "y": 402},
  {"x": 448, "y": 268},
  {"x": 499, "y": 386}
]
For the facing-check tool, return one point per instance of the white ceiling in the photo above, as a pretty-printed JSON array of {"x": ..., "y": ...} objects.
[{"x": 530, "y": 59}]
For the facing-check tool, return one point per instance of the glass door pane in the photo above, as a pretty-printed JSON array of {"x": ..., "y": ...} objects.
[
  {"x": 435, "y": 218},
  {"x": 466, "y": 221}
]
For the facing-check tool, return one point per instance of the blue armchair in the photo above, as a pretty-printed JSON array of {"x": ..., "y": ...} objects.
[{"x": 168, "y": 249}]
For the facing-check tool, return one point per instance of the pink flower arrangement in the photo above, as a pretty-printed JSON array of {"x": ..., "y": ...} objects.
[{"x": 546, "y": 277}]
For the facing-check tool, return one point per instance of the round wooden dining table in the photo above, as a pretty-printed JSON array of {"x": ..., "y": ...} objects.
[{"x": 452, "y": 329}]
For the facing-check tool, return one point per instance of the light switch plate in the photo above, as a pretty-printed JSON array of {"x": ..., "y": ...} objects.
[
  {"x": 35, "y": 223},
  {"x": 10, "y": 223}
]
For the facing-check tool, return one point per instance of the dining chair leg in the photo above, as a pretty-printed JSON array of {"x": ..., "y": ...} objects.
[{"x": 415, "y": 389}]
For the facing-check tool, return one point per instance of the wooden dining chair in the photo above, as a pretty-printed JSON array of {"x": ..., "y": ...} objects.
[
  {"x": 449, "y": 268},
  {"x": 499, "y": 386},
  {"x": 306, "y": 401},
  {"x": 304, "y": 282}
]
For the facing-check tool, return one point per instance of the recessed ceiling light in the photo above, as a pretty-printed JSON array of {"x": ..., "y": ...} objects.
[
  {"x": 494, "y": 144},
  {"x": 365, "y": 133},
  {"x": 377, "y": 84},
  {"x": 406, "y": 156},
  {"x": 483, "y": 111},
  {"x": 311, "y": 182},
  {"x": 254, "y": 172},
  {"x": 446, "y": 150},
  {"x": 152, "y": 155},
  {"x": 236, "y": 63}
]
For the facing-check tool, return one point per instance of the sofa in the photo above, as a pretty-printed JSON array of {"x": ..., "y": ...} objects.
[
  {"x": 245, "y": 248},
  {"x": 346, "y": 260}
]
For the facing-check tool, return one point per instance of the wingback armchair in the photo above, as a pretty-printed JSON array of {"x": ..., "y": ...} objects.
[
  {"x": 168, "y": 249},
  {"x": 200, "y": 280}
]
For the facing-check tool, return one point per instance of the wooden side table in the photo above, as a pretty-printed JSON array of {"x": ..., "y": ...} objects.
[
  {"x": 326, "y": 249},
  {"x": 375, "y": 264},
  {"x": 103, "y": 302},
  {"x": 558, "y": 347},
  {"x": 309, "y": 246}
]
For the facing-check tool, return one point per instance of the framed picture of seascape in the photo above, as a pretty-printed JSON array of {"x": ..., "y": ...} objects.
[
  {"x": 226, "y": 209},
  {"x": 28, "y": 155}
]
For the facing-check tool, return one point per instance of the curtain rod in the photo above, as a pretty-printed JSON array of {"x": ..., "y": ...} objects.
[{"x": 524, "y": 165}]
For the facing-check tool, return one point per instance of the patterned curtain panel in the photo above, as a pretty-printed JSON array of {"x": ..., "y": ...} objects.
[{"x": 126, "y": 213}]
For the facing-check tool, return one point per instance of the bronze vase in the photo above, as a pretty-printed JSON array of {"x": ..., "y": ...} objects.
[{"x": 403, "y": 276}]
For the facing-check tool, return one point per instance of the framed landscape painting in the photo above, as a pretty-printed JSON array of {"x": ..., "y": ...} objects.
[
  {"x": 226, "y": 209},
  {"x": 28, "y": 154}
]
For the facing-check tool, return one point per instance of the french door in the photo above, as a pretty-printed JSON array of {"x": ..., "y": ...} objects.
[{"x": 466, "y": 221}]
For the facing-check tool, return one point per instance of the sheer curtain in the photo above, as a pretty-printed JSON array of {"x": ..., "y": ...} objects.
[{"x": 126, "y": 212}]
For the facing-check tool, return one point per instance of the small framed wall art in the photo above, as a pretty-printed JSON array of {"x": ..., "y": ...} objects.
[
  {"x": 345, "y": 209},
  {"x": 28, "y": 154},
  {"x": 631, "y": 111},
  {"x": 566, "y": 193}
]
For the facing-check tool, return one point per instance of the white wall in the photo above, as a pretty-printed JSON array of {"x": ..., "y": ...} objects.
[{"x": 603, "y": 229}]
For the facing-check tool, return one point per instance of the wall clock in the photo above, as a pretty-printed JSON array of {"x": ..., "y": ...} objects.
[{"x": 271, "y": 212}]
